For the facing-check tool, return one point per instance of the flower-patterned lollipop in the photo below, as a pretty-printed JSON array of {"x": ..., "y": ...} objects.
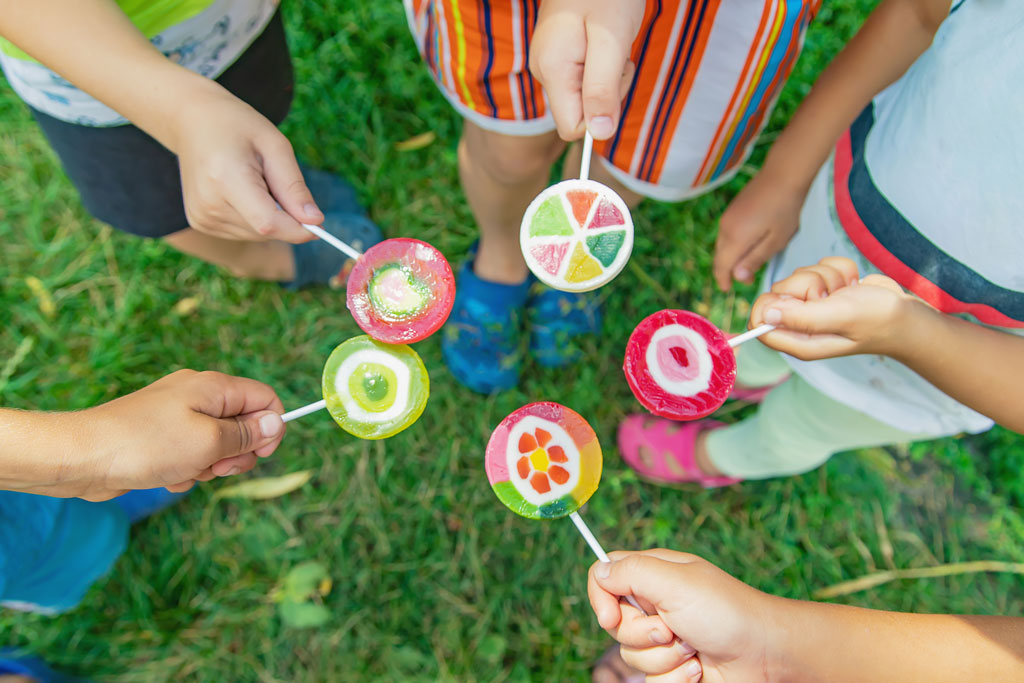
[{"x": 543, "y": 461}]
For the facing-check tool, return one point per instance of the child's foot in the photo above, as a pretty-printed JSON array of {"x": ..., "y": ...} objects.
[
  {"x": 481, "y": 342},
  {"x": 139, "y": 504},
  {"x": 670, "y": 452},
  {"x": 557, "y": 320},
  {"x": 316, "y": 262}
]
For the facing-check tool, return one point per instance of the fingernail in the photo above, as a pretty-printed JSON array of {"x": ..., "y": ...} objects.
[
  {"x": 601, "y": 127},
  {"x": 270, "y": 425},
  {"x": 312, "y": 211},
  {"x": 743, "y": 273},
  {"x": 233, "y": 471},
  {"x": 773, "y": 316},
  {"x": 658, "y": 637},
  {"x": 693, "y": 668},
  {"x": 686, "y": 649},
  {"x": 604, "y": 570}
]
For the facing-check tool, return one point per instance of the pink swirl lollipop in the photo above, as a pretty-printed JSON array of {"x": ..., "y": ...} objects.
[
  {"x": 401, "y": 291},
  {"x": 679, "y": 365}
]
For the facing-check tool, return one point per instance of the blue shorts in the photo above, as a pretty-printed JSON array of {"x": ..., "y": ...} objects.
[
  {"x": 131, "y": 181},
  {"x": 53, "y": 549}
]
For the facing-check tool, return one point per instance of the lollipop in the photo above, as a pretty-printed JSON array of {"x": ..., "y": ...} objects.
[
  {"x": 680, "y": 366},
  {"x": 544, "y": 462},
  {"x": 577, "y": 235},
  {"x": 401, "y": 291},
  {"x": 372, "y": 390}
]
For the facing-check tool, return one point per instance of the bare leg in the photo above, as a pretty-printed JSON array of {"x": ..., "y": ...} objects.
[
  {"x": 270, "y": 260},
  {"x": 599, "y": 173},
  {"x": 501, "y": 174}
]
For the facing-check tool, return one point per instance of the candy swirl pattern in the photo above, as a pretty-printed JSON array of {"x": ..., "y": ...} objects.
[{"x": 375, "y": 390}]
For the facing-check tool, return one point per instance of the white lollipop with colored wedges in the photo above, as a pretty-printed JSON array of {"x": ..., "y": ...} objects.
[{"x": 577, "y": 235}]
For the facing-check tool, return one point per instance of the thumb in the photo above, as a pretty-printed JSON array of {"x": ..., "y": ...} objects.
[
  {"x": 286, "y": 184},
  {"x": 246, "y": 433},
  {"x": 648, "y": 578}
]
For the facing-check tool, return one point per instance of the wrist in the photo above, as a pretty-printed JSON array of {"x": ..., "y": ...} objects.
[
  {"x": 909, "y": 327},
  {"x": 183, "y": 98}
]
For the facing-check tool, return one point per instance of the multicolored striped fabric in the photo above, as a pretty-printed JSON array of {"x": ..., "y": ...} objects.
[{"x": 707, "y": 75}]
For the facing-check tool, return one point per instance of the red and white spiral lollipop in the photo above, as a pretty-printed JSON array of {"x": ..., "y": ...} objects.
[{"x": 681, "y": 366}]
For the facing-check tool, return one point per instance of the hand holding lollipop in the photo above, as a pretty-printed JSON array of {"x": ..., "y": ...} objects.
[
  {"x": 544, "y": 462},
  {"x": 577, "y": 235}
]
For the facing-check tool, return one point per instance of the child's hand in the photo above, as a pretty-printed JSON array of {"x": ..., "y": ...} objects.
[
  {"x": 755, "y": 226},
  {"x": 703, "y": 622},
  {"x": 236, "y": 166},
  {"x": 826, "y": 311},
  {"x": 189, "y": 426},
  {"x": 580, "y": 54}
]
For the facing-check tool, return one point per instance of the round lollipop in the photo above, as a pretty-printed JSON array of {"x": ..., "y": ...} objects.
[
  {"x": 681, "y": 366},
  {"x": 544, "y": 462},
  {"x": 372, "y": 390},
  {"x": 375, "y": 390},
  {"x": 577, "y": 235},
  {"x": 401, "y": 291}
]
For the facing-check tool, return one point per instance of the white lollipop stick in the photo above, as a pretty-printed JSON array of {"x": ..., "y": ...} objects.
[
  {"x": 592, "y": 541},
  {"x": 333, "y": 241},
  {"x": 588, "y": 151},
  {"x": 751, "y": 334},
  {"x": 304, "y": 410}
]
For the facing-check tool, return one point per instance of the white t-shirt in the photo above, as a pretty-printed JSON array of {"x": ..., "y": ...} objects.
[
  {"x": 927, "y": 187},
  {"x": 207, "y": 43}
]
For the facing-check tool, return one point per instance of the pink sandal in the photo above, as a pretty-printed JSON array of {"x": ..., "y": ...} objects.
[{"x": 664, "y": 451}]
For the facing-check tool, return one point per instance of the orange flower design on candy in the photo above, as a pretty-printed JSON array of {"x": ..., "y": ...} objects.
[{"x": 539, "y": 464}]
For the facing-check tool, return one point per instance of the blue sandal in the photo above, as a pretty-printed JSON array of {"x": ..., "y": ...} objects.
[
  {"x": 318, "y": 263},
  {"x": 557, "y": 321},
  {"x": 482, "y": 342}
]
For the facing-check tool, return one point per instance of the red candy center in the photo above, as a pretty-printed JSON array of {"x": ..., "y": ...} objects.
[
  {"x": 679, "y": 353},
  {"x": 674, "y": 358}
]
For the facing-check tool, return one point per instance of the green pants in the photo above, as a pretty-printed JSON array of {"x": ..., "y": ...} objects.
[{"x": 796, "y": 428}]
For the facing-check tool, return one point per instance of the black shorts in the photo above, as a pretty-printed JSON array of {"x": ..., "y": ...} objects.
[{"x": 131, "y": 181}]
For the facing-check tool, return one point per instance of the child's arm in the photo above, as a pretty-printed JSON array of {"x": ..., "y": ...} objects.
[
  {"x": 187, "y": 427},
  {"x": 764, "y": 216},
  {"x": 827, "y": 311},
  {"x": 580, "y": 54},
  {"x": 234, "y": 162},
  {"x": 741, "y": 634}
]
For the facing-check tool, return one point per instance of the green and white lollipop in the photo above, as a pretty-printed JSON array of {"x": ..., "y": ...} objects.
[{"x": 371, "y": 389}]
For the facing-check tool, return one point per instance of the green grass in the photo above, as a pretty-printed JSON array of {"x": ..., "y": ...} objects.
[{"x": 433, "y": 578}]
